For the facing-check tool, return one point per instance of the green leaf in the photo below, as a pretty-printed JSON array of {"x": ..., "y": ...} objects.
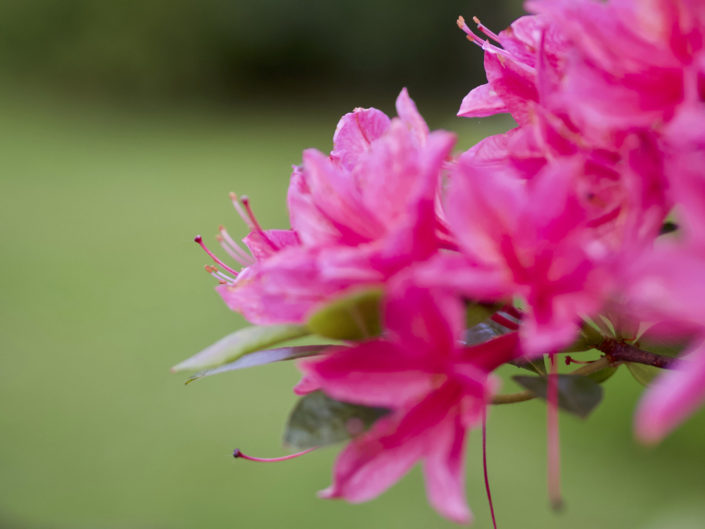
[
  {"x": 577, "y": 394},
  {"x": 259, "y": 358},
  {"x": 537, "y": 365},
  {"x": 481, "y": 333},
  {"x": 319, "y": 420},
  {"x": 240, "y": 343},
  {"x": 603, "y": 374},
  {"x": 642, "y": 373},
  {"x": 355, "y": 316}
]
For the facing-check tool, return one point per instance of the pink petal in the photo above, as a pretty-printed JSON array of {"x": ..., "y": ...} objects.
[
  {"x": 267, "y": 243},
  {"x": 373, "y": 462},
  {"x": 481, "y": 102},
  {"x": 355, "y": 133},
  {"x": 673, "y": 397},
  {"x": 375, "y": 373},
  {"x": 423, "y": 320},
  {"x": 407, "y": 112},
  {"x": 444, "y": 470}
]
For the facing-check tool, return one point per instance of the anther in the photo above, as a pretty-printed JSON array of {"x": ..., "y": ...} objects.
[
  {"x": 199, "y": 240},
  {"x": 484, "y": 29}
]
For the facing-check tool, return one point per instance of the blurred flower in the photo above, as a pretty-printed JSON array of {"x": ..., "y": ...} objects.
[{"x": 436, "y": 387}]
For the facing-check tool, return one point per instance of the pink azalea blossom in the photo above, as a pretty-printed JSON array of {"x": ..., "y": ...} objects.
[
  {"x": 359, "y": 216},
  {"x": 525, "y": 238},
  {"x": 526, "y": 62},
  {"x": 632, "y": 62},
  {"x": 436, "y": 387}
]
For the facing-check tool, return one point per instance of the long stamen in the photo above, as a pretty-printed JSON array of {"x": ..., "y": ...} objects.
[
  {"x": 237, "y": 453},
  {"x": 236, "y": 204},
  {"x": 484, "y": 29},
  {"x": 491, "y": 48},
  {"x": 234, "y": 246},
  {"x": 553, "y": 441},
  {"x": 470, "y": 35},
  {"x": 199, "y": 240},
  {"x": 255, "y": 225},
  {"x": 213, "y": 271},
  {"x": 484, "y": 465}
]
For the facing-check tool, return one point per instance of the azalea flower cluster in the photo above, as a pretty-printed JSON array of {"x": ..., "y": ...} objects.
[{"x": 554, "y": 231}]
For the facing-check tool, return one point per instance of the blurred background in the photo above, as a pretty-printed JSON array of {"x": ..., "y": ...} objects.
[{"x": 123, "y": 126}]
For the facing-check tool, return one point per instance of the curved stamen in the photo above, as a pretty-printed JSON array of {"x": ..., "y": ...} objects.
[
  {"x": 484, "y": 465},
  {"x": 199, "y": 240},
  {"x": 234, "y": 246},
  {"x": 255, "y": 225},
  {"x": 237, "y": 453}
]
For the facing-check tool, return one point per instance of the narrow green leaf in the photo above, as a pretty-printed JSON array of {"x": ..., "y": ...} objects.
[
  {"x": 240, "y": 343},
  {"x": 259, "y": 358},
  {"x": 482, "y": 332},
  {"x": 319, "y": 420},
  {"x": 537, "y": 365},
  {"x": 577, "y": 394},
  {"x": 603, "y": 374},
  {"x": 355, "y": 316}
]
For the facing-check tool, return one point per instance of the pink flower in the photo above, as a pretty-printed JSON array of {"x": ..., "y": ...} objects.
[
  {"x": 632, "y": 62},
  {"x": 436, "y": 387},
  {"x": 527, "y": 62},
  {"x": 525, "y": 238},
  {"x": 359, "y": 216}
]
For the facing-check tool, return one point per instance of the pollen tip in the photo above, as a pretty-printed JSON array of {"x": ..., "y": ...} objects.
[
  {"x": 233, "y": 195},
  {"x": 237, "y": 453},
  {"x": 476, "y": 20},
  {"x": 221, "y": 228},
  {"x": 219, "y": 238},
  {"x": 198, "y": 239},
  {"x": 244, "y": 199},
  {"x": 460, "y": 22}
]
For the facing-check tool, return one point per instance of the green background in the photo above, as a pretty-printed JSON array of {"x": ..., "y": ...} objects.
[{"x": 114, "y": 154}]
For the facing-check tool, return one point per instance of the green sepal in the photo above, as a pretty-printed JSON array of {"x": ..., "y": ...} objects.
[
  {"x": 354, "y": 316},
  {"x": 259, "y": 358}
]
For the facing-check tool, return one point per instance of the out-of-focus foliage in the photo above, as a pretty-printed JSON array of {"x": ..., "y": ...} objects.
[{"x": 209, "y": 48}]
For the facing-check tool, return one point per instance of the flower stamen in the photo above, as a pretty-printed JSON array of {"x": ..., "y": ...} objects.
[
  {"x": 237, "y": 453},
  {"x": 199, "y": 240}
]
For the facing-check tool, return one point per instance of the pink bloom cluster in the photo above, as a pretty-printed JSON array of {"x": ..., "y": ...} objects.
[{"x": 560, "y": 216}]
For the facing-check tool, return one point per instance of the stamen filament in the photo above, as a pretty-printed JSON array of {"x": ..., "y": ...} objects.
[
  {"x": 484, "y": 466},
  {"x": 235, "y": 246},
  {"x": 553, "y": 441},
  {"x": 237, "y": 453},
  {"x": 199, "y": 240},
  {"x": 236, "y": 204},
  {"x": 484, "y": 29},
  {"x": 255, "y": 225}
]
